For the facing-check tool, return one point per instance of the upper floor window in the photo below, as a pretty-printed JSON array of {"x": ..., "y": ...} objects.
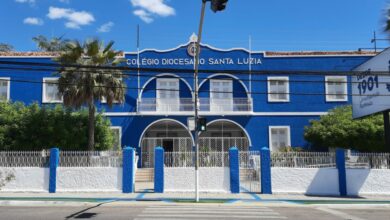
[
  {"x": 221, "y": 95},
  {"x": 279, "y": 137},
  {"x": 103, "y": 100},
  {"x": 278, "y": 89},
  {"x": 50, "y": 92},
  {"x": 167, "y": 94},
  {"x": 4, "y": 89},
  {"x": 336, "y": 88}
]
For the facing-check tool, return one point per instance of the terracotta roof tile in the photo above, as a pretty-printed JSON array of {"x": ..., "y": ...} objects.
[
  {"x": 318, "y": 53},
  {"x": 268, "y": 53}
]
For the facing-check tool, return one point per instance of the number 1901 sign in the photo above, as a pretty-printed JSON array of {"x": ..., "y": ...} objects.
[{"x": 367, "y": 84}]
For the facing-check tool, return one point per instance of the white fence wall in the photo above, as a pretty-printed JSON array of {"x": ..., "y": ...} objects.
[
  {"x": 27, "y": 179},
  {"x": 89, "y": 179},
  {"x": 311, "y": 181},
  {"x": 211, "y": 179},
  {"x": 368, "y": 181}
]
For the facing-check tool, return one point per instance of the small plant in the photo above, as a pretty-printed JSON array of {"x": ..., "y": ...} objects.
[
  {"x": 8, "y": 177},
  {"x": 291, "y": 149}
]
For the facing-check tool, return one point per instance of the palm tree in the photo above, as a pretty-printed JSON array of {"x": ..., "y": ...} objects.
[
  {"x": 83, "y": 85},
  {"x": 55, "y": 44}
]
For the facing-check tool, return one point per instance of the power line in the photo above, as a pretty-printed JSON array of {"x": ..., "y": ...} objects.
[
  {"x": 191, "y": 71},
  {"x": 188, "y": 77},
  {"x": 201, "y": 91}
]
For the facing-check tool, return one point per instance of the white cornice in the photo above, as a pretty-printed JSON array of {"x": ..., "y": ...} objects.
[{"x": 124, "y": 114}]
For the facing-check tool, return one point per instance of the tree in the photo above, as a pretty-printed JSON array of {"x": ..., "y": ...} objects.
[
  {"x": 338, "y": 129},
  {"x": 83, "y": 85},
  {"x": 35, "y": 127},
  {"x": 55, "y": 44},
  {"x": 6, "y": 47}
]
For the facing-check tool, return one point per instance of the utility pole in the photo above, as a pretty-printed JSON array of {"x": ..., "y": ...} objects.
[{"x": 216, "y": 5}]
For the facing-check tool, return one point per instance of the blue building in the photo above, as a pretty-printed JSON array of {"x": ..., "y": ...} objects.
[{"x": 246, "y": 110}]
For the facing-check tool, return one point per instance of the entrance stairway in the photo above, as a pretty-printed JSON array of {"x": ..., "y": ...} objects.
[{"x": 144, "y": 175}]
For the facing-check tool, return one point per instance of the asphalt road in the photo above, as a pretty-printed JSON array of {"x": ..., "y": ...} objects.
[{"x": 192, "y": 211}]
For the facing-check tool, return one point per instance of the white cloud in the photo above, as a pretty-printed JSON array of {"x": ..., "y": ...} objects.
[
  {"x": 33, "y": 21},
  {"x": 75, "y": 19},
  {"x": 25, "y": 1},
  {"x": 143, "y": 15},
  {"x": 106, "y": 27},
  {"x": 149, "y": 8}
]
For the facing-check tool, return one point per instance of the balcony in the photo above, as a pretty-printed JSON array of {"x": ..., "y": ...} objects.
[{"x": 234, "y": 105}]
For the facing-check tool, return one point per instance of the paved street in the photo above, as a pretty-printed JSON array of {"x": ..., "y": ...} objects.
[{"x": 194, "y": 211}]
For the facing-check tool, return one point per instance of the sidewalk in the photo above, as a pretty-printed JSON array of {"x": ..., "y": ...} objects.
[{"x": 218, "y": 198}]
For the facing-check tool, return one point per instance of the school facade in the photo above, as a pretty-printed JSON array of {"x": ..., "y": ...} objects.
[{"x": 267, "y": 104}]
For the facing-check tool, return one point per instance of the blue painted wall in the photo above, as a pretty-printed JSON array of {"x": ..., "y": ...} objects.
[{"x": 256, "y": 126}]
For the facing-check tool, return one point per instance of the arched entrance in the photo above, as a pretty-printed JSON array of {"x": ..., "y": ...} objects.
[
  {"x": 170, "y": 134},
  {"x": 223, "y": 134}
]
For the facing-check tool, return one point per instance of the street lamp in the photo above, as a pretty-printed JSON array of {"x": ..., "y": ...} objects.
[{"x": 216, "y": 5}]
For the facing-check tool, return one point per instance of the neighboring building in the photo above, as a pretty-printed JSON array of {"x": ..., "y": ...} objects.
[{"x": 253, "y": 110}]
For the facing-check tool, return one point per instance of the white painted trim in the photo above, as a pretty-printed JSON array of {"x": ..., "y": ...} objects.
[
  {"x": 120, "y": 134},
  {"x": 160, "y": 120},
  {"x": 278, "y": 127},
  {"x": 240, "y": 126},
  {"x": 157, "y": 77},
  {"x": 278, "y": 78},
  {"x": 44, "y": 100},
  {"x": 8, "y": 80},
  {"x": 225, "y": 74},
  {"x": 124, "y": 114},
  {"x": 342, "y": 79},
  {"x": 242, "y": 49}
]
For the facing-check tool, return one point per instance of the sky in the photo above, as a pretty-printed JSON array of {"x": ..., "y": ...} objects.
[{"x": 277, "y": 25}]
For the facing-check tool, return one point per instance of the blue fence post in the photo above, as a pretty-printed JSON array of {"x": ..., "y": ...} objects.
[
  {"x": 234, "y": 170},
  {"x": 139, "y": 165},
  {"x": 340, "y": 164},
  {"x": 266, "y": 184},
  {"x": 128, "y": 170},
  {"x": 54, "y": 160},
  {"x": 159, "y": 170}
]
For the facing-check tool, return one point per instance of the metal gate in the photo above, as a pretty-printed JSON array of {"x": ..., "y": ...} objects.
[
  {"x": 218, "y": 144},
  {"x": 250, "y": 171},
  {"x": 179, "y": 144}
]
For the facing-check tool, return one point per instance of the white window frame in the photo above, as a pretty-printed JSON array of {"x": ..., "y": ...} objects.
[
  {"x": 44, "y": 98},
  {"x": 278, "y": 127},
  {"x": 120, "y": 135},
  {"x": 8, "y": 80},
  {"x": 162, "y": 107},
  {"x": 278, "y": 78},
  {"x": 342, "y": 79},
  {"x": 229, "y": 101}
]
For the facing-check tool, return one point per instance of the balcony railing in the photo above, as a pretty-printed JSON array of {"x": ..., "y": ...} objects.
[{"x": 187, "y": 105}]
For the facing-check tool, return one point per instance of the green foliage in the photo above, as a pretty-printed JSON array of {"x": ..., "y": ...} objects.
[
  {"x": 338, "y": 129},
  {"x": 83, "y": 85},
  {"x": 35, "y": 128},
  {"x": 291, "y": 149},
  {"x": 5, "y": 178},
  {"x": 6, "y": 47},
  {"x": 55, "y": 44}
]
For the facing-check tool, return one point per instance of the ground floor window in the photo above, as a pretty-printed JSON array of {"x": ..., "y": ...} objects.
[
  {"x": 117, "y": 134},
  {"x": 4, "y": 89},
  {"x": 50, "y": 92},
  {"x": 336, "y": 88},
  {"x": 279, "y": 137}
]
